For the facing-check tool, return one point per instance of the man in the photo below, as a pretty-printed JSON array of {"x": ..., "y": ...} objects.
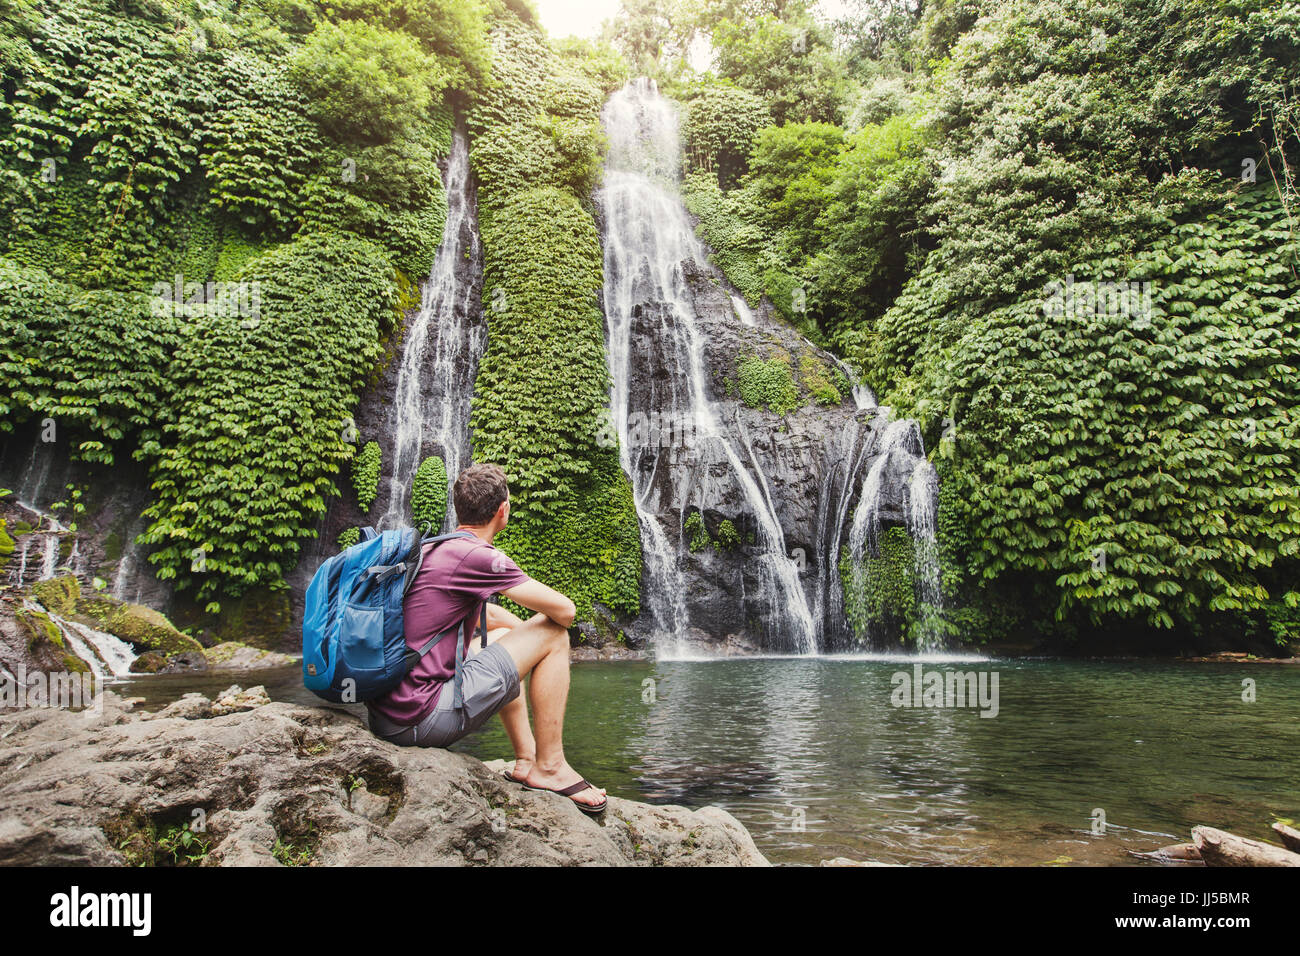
[{"x": 453, "y": 583}]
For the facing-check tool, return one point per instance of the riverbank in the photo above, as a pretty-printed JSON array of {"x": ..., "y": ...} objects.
[{"x": 236, "y": 779}]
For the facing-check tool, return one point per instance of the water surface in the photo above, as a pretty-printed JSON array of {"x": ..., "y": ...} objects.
[{"x": 812, "y": 757}]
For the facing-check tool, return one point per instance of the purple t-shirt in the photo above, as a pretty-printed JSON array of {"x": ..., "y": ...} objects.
[{"x": 451, "y": 586}]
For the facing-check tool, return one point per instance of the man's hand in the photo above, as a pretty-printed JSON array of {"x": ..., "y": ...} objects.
[
  {"x": 500, "y": 617},
  {"x": 536, "y": 596}
]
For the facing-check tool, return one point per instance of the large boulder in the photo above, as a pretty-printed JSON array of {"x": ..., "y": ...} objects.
[
  {"x": 809, "y": 460},
  {"x": 253, "y": 782},
  {"x": 140, "y": 626}
]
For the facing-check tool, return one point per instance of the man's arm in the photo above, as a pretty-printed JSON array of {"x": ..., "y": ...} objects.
[{"x": 536, "y": 596}]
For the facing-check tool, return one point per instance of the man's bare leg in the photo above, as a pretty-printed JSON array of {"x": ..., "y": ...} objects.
[
  {"x": 540, "y": 648},
  {"x": 514, "y": 715}
]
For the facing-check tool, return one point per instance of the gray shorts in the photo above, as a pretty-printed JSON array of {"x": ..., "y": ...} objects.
[{"x": 489, "y": 681}]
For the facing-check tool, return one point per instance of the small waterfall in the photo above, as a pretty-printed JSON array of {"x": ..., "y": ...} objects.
[
  {"x": 901, "y": 448},
  {"x": 922, "y": 524},
  {"x": 853, "y": 448},
  {"x": 113, "y": 655},
  {"x": 126, "y": 572},
  {"x": 904, "y": 436},
  {"x": 19, "y": 574},
  {"x": 743, "y": 311},
  {"x": 36, "y": 473},
  {"x": 105, "y": 654},
  {"x": 648, "y": 237},
  {"x": 863, "y": 397},
  {"x": 50, "y": 557},
  {"x": 429, "y": 414}
]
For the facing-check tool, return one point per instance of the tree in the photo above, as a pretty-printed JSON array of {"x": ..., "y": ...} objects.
[{"x": 366, "y": 83}]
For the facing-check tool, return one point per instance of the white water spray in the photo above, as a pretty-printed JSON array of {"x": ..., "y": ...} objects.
[
  {"x": 649, "y": 237},
  {"x": 435, "y": 381}
]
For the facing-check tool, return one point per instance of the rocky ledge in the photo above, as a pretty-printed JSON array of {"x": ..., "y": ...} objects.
[{"x": 240, "y": 780}]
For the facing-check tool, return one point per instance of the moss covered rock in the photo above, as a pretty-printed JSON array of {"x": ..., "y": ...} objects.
[
  {"x": 40, "y": 629},
  {"x": 58, "y": 595},
  {"x": 138, "y": 625}
]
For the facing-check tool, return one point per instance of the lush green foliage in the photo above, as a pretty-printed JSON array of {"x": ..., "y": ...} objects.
[
  {"x": 694, "y": 527},
  {"x": 148, "y": 151},
  {"x": 879, "y": 593},
  {"x": 95, "y": 362},
  {"x": 767, "y": 383},
  {"x": 365, "y": 474},
  {"x": 541, "y": 396},
  {"x": 1054, "y": 143},
  {"x": 728, "y": 537},
  {"x": 258, "y": 423},
  {"x": 429, "y": 495},
  {"x": 1150, "y": 461},
  {"x": 719, "y": 129},
  {"x": 789, "y": 63},
  {"x": 364, "y": 82}
]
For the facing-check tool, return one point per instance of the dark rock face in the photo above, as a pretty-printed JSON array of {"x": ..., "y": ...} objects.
[
  {"x": 39, "y": 472},
  {"x": 812, "y": 462},
  {"x": 262, "y": 783}
]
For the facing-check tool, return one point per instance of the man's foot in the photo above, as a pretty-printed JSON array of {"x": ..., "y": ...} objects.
[
  {"x": 519, "y": 772},
  {"x": 561, "y": 779}
]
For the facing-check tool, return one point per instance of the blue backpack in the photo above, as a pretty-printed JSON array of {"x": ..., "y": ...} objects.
[{"x": 353, "y": 643}]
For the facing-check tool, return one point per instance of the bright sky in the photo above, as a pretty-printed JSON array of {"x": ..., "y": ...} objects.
[{"x": 583, "y": 18}]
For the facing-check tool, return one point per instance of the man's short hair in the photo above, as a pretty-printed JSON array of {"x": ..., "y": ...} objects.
[{"x": 478, "y": 493}]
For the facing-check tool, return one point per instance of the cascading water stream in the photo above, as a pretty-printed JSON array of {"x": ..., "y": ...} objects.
[
  {"x": 922, "y": 524},
  {"x": 648, "y": 238},
  {"x": 902, "y": 438},
  {"x": 107, "y": 655},
  {"x": 430, "y": 410}
]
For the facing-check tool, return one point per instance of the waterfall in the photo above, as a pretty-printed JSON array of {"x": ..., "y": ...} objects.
[
  {"x": 922, "y": 524},
  {"x": 901, "y": 448},
  {"x": 105, "y": 654},
  {"x": 50, "y": 557},
  {"x": 429, "y": 414},
  {"x": 18, "y": 575},
  {"x": 648, "y": 238},
  {"x": 863, "y": 397},
  {"x": 853, "y": 447},
  {"x": 902, "y": 436},
  {"x": 128, "y": 566},
  {"x": 743, "y": 311}
]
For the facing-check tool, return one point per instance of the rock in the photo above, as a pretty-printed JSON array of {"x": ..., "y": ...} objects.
[
  {"x": 153, "y": 662},
  {"x": 285, "y": 784},
  {"x": 31, "y": 642},
  {"x": 813, "y": 460},
  {"x": 845, "y": 861},
  {"x": 1289, "y": 836},
  {"x": 1177, "y": 853},
  {"x": 150, "y": 662},
  {"x": 610, "y": 652},
  {"x": 1221, "y": 848},
  {"x": 233, "y": 655},
  {"x": 58, "y": 595},
  {"x": 189, "y": 707},
  {"x": 138, "y": 625},
  {"x": 234, "y": 700}
]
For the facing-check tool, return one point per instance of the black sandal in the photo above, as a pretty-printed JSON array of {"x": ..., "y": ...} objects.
[{"x": 589, "y": 809}]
